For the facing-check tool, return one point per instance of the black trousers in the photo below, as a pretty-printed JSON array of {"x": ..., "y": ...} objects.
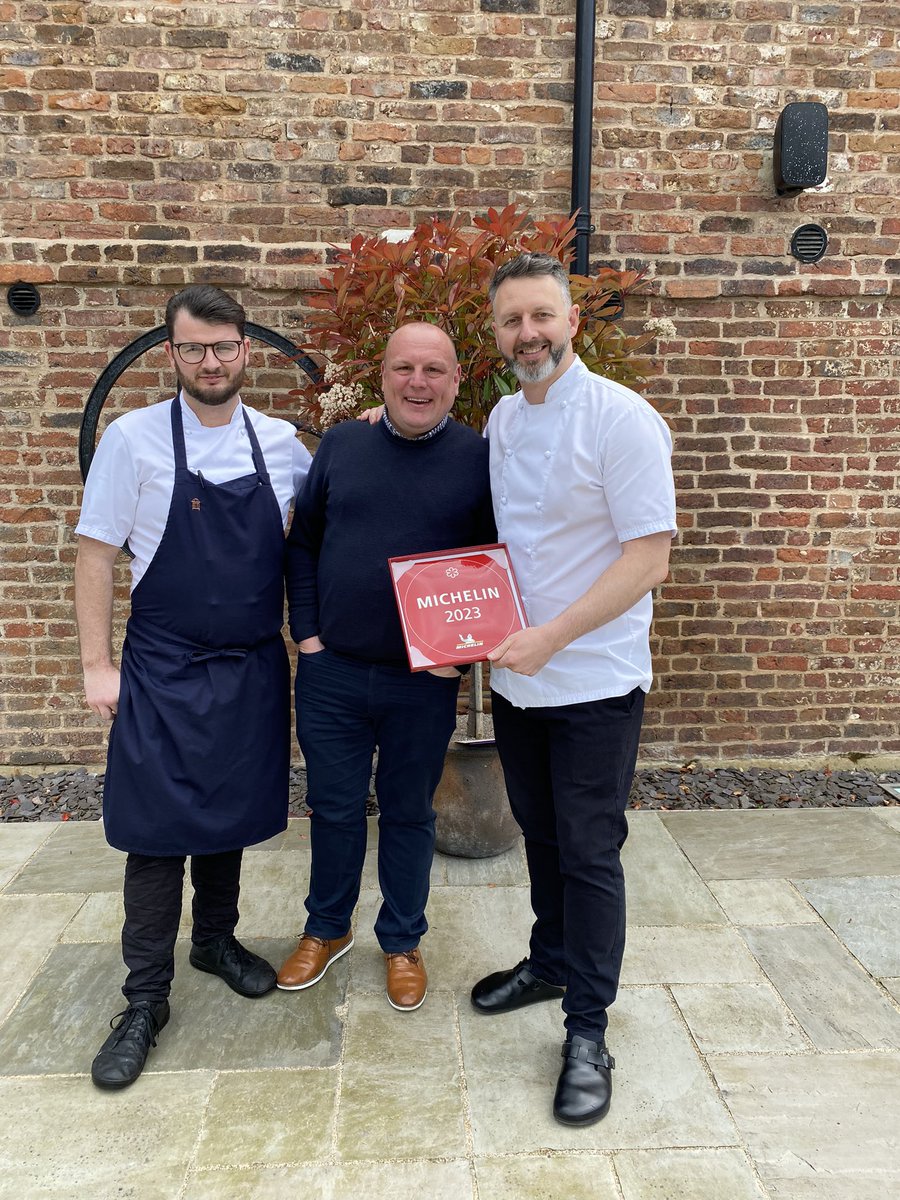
[
  {"x": 568, "y": 771},
  {"x": 153, "y": 888}
]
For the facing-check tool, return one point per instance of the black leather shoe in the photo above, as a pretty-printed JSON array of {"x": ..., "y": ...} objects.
[
  {"x": 584, "y": 1089},
  {"x": 507, "y": 990},
  {"x": 122, "y": 1056},
  {"x": 244, "y": 972}
]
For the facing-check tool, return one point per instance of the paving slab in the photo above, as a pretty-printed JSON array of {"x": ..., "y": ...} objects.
[
  {"x": 75, "y": 858},
  {"x": 802, "y": 843},
  {"x": 29, "y": 929},
  {"x": 69, "y": 1140},
  {"x": 99, "y": 919},
  {"x": 679, "y": 954},
  {"x": 865, "y": 915},
  {"x": 268, "y": 1117},
  {"x": 838, "y": 1005},
  {"x": 687, "y": 1175},
  {"x": 294, "y": 837},
  {"x": 401, "y": 1082},
  {"x": 330, "y": 1093},
  {"x": 273, "y": 888},
  {"x": 62, "y": 1019},
  {"x": 17, "y": 844},
  {"x": 472, "y": 931},
  {"x": 737, "y": 1017},
  {"x": 762, "y": 902},
  {"x": 663, "y": 887},
  {"x": 891, "y": 815},
  {"x": 537, "y": 1177},
  {"x": 502, "y": 870},
  {"x": 662, "y": 1095},
  {"x": 342, "y": 1181},
  {"x": 823, "y": 1126}
]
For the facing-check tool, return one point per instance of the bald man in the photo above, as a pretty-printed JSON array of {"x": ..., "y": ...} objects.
[{"x": 414, "y": 482}]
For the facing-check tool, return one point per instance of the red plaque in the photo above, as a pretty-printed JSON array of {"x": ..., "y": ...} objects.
[{"x": 456, "y": 605}]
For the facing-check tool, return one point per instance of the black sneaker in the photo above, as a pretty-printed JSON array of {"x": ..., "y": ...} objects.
[
  {"x": 244, "y": 972},
  {"x": 122, "y": 1056}
]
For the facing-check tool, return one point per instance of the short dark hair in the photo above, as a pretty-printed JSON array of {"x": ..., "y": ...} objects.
[
  {"x": 529, "y": 264},
  {"x": 206, "y": 303}
]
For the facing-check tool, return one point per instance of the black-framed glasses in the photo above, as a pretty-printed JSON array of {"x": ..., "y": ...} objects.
[{"x": 195, "y": 352}]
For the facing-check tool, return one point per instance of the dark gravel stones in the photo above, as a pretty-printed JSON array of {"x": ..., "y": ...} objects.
[{"x": 76, "y": 795}]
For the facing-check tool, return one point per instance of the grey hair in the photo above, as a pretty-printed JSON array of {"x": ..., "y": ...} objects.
[{"x": 529, "y": 265}]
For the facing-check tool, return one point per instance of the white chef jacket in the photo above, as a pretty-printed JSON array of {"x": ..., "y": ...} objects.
[
  {"x": 572, "y": 479},
  {"x": 128, "y": 490}
]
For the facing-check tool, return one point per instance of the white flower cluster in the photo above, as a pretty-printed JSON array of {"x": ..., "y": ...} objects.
[
  {"x": 341, "y": 401},
  {"x": 661, "y": 326}
]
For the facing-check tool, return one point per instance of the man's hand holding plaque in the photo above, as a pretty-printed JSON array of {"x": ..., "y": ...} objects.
[{"x": 456, "y": 606}]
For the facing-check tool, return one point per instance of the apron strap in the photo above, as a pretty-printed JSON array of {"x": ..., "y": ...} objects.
[
  {"x": 178, "y": 434},
  {"x": 258, "y": 461},
  {"x": 196, "y": 656}
]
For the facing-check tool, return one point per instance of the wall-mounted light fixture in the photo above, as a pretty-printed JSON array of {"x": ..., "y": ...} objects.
[{"x": 800, "y": 152}]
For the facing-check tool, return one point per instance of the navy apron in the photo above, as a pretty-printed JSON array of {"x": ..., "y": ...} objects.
[{"x": 199, "y": 751}]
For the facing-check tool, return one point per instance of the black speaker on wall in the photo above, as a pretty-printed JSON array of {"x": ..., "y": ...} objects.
[{"x": 801, "y": 147}]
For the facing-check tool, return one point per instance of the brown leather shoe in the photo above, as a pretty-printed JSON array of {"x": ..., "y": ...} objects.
[
  {"x": 311, "y": 959},
  {"x": 407, "y": 982}
]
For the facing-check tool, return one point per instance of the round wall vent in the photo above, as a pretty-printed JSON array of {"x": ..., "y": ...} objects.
[
  {"x": 809, "y": 243},
  {"x": 23, "y": 298}
]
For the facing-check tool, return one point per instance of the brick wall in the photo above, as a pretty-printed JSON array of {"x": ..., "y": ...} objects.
[{"x": 145, "y": 146}]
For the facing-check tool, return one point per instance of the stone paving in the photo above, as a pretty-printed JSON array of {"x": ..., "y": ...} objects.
[{"x": 757, "y": 1032}]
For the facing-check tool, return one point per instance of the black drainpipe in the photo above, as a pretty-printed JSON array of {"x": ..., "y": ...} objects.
[{"x": 581, "y": 133}]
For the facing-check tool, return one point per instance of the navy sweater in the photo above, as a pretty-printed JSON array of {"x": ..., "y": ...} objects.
[{"x": 369, "y": 496}]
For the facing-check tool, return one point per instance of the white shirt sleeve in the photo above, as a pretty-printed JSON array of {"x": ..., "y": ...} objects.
[
  {"x": 110, "y": 491},
  {"x": 634, "y": 456},
  {"x": 301, "y": 464}
]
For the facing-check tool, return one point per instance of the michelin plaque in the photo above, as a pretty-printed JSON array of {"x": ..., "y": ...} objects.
[{"x": 456, "y": 605}]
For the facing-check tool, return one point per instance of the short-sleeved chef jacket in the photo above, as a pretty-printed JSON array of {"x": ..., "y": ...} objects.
[
  {"x": 572, "y": 479},
  {"x": 129, "y": 487}
]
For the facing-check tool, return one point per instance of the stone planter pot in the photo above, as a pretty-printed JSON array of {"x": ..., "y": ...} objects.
[{"x": 473, "y": 816}]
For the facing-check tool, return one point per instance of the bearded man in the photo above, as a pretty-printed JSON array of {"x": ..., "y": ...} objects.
[
  {"x": 199, "y": 745},
  {"x": 584, "y": 499}
]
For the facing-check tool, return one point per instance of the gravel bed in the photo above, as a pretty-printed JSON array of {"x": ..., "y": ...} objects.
[{"x": 75, "y": 795}]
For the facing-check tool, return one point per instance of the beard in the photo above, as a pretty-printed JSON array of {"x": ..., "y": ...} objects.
[
  {"x": 214, "y": 392},
  {"x": 540, "y": 371}
]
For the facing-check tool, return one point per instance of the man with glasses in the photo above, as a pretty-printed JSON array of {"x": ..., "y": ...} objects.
[{"x": 199, "y": 747}]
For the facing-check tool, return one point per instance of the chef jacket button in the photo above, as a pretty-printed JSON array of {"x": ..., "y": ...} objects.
[
  {"x": 539, "y": 506},
  {"x": 547, "y": 453},
  {"x": 502, "y": 499}
]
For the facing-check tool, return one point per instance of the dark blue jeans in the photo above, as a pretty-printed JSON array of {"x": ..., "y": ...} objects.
[
  {"x": 568, "y": 772},
  {"x": 345, "y": 709}
]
